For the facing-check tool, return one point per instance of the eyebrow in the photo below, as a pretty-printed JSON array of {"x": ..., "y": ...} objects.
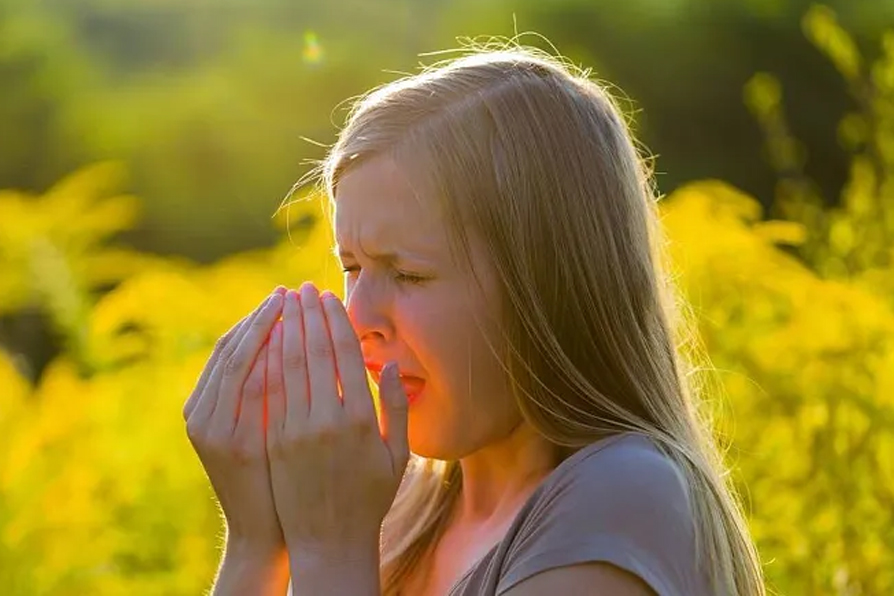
[{"x": 387, "y": 258}]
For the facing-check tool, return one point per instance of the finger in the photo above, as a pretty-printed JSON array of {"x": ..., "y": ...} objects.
[
  {"x": 276, "y": 389},
  {"x": 207, "y": 399},
  {"x": 209, "y": 366},
  {"x": 325, "y": 405},
  {"x": 240, "y": 361},
  {"x": 394, "y": 416},
  {"x": 250, "y": 415},
  {"x": 351, "y": 370},
  {"x": 294, "y": 363}
]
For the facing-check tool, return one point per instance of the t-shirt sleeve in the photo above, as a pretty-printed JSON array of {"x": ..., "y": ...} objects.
[{"x": 627, "y": 506}]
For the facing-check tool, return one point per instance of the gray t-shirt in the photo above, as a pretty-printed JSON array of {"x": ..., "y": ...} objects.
[{"x": 619, "y": 501}]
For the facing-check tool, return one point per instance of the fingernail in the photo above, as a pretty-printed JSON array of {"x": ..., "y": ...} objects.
[
  {"x": 327, "y": 294},
  {"x": 292, "y": 296},
  {"x": 281, "y": 290},
  {"x": 390, "y": 372}
]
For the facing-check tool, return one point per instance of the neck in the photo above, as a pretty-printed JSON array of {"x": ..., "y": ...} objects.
[{"x": 499, "y": 478}]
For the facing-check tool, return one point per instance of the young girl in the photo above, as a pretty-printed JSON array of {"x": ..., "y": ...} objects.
[{"x": 499, "y": 237}]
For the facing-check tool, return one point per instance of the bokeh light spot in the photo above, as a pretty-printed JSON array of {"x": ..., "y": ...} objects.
[{"x": 313, "y": 52}]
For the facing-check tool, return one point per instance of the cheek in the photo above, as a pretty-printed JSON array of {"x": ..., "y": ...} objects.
[
  {"x": 447, "y": 341},
  {"x": 420, "y": 322},
  {"x": 434, "y": 329}
]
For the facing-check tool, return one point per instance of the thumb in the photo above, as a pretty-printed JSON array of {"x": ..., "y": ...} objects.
[{"x": 394, "y": 417}]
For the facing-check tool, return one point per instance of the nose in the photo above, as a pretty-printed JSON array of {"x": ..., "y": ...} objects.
[{"x": 369, "y": 308}]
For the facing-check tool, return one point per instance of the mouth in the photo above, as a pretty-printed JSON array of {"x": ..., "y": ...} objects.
[{"x": 413, "y": 386}]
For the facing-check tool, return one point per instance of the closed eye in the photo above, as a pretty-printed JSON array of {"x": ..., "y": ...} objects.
[
  {"x": 401, "y": 276},
  {"x": 409, "y": 278}
]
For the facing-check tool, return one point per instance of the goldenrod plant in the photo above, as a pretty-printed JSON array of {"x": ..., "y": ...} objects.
[{"x": 101, "y": 494}]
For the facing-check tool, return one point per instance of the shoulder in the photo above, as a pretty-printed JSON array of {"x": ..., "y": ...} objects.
[
  {"x": 582, "y": 578},
  {"x": 628, "y": 475},
  {"x": 618, "y": 510},
  {"x": 623, "y": 487}
]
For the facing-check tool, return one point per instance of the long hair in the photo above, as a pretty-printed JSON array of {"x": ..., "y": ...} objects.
[{"x": 538, "y": 161}]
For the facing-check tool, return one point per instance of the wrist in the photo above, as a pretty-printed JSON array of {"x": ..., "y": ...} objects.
[
  {"x": 330, "y": 570},
  {"x": 250, "y": 567},
  {"x": 256, "y": 552},
  {"x": 247, "y": 543},
  {"x": 344, "y": 549}
]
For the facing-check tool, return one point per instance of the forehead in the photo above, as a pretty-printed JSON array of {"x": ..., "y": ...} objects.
[{"x": 376, "y": 209}]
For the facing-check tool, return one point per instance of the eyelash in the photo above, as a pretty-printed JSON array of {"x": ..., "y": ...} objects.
[{"x": 401, "y": 277}]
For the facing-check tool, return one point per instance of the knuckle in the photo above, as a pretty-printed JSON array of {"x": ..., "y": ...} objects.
[
  {"x": 253, "y": 390},
  {"x": 294, "y": 359},
  {"x": 327, "y": 434},
  {"x": 253, "y": 386},
  {"x": 227, "y": 351},
  {"x": 233, "y": 365},
  {"x": 345, "y": 342},
  {"x": 195, "y": 432},
  {"x": 221, "y": 344},
  {"x": 258, "y": 322},
  {"x": 320, "y": 349},
  {"x": 215, "y": 443},
  {"x": 243, "y": 453},
  {"x": 282, "y": 448},
  {"x": 226, "y": 344},
  {"x": 274, "y": 386},
  {"x": 361, "y": 426},
  {"x": 310, "y": 305},
  {"x": 293, "y": 441},
  {"x": 275, "y": 448}
]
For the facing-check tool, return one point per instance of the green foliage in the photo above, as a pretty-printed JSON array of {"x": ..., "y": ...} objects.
[
  {"x": 100, "y": 492},
  {"x": 840, "y": 338},
  {"x": 101, "y": 460},
  {"x": 807, "y": 365},
  {"x": 206, "y": 103},
  {"x": 854, "y": 239},
  {"x": 57, "y": 266}
]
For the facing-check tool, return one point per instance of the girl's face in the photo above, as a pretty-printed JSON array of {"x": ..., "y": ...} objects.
[{"x": 409, "y": 302}]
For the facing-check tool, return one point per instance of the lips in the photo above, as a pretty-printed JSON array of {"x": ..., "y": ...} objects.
[{"x": 413, "y": 385}]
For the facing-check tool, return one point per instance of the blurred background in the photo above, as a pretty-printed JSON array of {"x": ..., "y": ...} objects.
[{"x": 145, "y": 147}]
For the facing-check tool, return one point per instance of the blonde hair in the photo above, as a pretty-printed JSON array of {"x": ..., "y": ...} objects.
[{"x": 537, "y": 159}]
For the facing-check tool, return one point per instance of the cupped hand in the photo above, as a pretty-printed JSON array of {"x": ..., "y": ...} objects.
[
  {"x": 225, "y": 420},
  {"x": 335, "y": 468}
]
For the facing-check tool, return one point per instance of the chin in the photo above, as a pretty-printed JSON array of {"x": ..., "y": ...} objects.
[{"x": 432, "y": 446}]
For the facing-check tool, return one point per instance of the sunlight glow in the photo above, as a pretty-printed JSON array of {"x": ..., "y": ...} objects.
[{"x": 313, "y": 52}]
